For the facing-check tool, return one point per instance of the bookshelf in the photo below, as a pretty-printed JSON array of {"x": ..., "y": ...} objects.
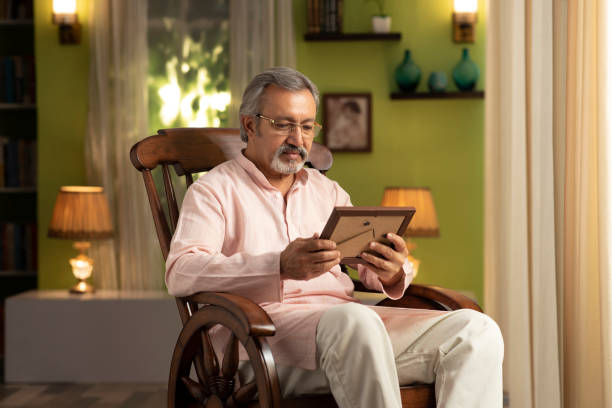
[
  {"x": 18, "y": 226},
  {"x": 16, "y": 106},
  {"x": 16, "y": 21}
]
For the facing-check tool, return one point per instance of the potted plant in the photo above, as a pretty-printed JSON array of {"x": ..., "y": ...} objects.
[{"x": 381, "y": 22}]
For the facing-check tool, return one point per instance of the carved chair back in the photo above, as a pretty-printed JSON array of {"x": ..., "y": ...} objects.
[{"x": 190, "y": 151}]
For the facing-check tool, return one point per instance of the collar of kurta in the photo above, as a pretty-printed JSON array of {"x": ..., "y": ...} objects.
[{"x": 301, "y": 176}]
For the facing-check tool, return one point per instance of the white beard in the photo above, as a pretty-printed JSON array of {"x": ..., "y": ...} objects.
[{"x": 291, "y": 167}]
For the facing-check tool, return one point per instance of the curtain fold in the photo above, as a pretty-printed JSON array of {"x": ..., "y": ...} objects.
[
  {"x": 117, "y": 119},
  {"x": 604, "y": 70},
  {"x": 261, "y": 36},
  {"x": 520, "y": 282},
  {"x": 586, "y": 269},
  {"x": 548, "y": 206}
]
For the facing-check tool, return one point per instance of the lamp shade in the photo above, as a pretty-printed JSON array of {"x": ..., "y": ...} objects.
[
  {"x": 425, "y": 222},
  {"x": 81, "y": 213}
]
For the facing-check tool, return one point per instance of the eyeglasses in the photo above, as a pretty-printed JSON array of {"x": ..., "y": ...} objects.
[{"x": 285, "y": 128}]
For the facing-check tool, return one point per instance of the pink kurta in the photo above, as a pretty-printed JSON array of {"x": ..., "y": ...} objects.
[{"x": 232, "y": 228}]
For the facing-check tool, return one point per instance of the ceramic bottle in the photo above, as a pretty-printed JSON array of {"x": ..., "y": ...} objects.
[
  {"x": 407, "y": 74},
  {"x": 466, "y": 73}
]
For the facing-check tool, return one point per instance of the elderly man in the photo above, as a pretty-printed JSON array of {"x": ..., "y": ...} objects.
[{"x": 250, "y": 227}]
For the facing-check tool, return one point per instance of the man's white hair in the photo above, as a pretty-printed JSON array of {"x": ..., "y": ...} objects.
[{"x": 286, "y": 78}]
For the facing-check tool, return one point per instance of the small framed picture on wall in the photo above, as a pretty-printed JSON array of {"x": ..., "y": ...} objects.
[{"x": 347, "y": 122}]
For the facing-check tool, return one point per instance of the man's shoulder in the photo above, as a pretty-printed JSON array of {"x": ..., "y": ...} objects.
[
  {"x": 224, "y": 174},
  {"x": 319, "y": 180},
  {"x": 221, "y": 172}
]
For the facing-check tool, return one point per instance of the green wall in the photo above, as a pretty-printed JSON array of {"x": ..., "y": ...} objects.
[
  {"x": 62, "y": 82},
  {"x": 435, "y": 143}
]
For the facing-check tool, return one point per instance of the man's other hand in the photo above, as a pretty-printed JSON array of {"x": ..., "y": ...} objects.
[
  {"x": 389, "y": 262},
  {"x": 307, "y": 258}
]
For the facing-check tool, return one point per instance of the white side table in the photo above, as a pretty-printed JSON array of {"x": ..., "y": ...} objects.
[{"x": 107, "y": 336}]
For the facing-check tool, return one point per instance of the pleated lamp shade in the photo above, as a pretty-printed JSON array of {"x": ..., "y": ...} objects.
[
  {"x": 81, "y": 213},
  {"x": 425, "y": 222}
]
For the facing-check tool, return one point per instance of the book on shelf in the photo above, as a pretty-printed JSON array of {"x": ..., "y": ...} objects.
[
  {"x": 16, "y": 9},
  {"x": 18, "y": 246},
  {"x": 18, "y": 162},
  {"x": 17, "y": 79},
  {"x": 324, "y": 16}
]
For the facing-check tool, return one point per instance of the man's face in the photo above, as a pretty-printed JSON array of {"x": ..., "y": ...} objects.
[{"x": 277, "y": 154}]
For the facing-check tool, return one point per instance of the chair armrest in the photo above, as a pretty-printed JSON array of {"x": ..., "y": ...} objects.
[
  {"x": 253, "y": 318},
  {"x": 432, "y": 297}
]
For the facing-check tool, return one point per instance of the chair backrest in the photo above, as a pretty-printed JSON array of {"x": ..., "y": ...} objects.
[{"x": 189, "y": 151}]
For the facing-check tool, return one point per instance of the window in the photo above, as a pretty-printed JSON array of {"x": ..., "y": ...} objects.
[{"x": 188, "y": 63}]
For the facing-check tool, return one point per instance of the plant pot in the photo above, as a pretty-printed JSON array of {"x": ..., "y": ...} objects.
[{"x": 381, "y": 24}]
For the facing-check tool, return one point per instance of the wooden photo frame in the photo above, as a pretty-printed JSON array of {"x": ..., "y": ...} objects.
[
  {"x": 347, "y": 122},
  {"x": 353, "y": 228}
]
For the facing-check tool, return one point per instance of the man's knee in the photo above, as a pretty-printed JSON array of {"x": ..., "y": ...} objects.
[
  {"x": 350, "y": 323},
  {"x": 481, "y": 332}
]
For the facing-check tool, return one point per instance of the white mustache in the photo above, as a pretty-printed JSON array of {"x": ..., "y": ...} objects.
[{"x": 294, "y": 149}]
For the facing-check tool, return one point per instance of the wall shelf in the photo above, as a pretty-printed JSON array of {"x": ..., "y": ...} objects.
[
  {"x": 16, "y": 22},
  {"x": 352, "y": 37},
  {"x": 17, "y": 106},
  {"x": 439, "y": 95},
  {"x": 17, "y": 274},
  {"x": 17, "y": 190}
]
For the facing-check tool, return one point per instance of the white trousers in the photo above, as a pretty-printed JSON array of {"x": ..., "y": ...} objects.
[{"x": 461, "y": 351}]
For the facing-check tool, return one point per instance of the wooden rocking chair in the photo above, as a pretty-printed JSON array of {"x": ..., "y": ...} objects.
[{"x": 193, "y": 150}]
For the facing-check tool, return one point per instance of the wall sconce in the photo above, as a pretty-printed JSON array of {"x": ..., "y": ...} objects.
[
  {"x": 65, "y": 15},
  {"x": 465, "y": 15}
]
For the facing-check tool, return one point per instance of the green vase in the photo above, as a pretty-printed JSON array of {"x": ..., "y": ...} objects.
[
  {"x": 407, "y": 74},
  {"x": 466, "y": 73}
]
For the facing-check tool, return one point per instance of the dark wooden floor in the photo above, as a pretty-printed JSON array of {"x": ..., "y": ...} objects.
[{"x": 83, "y": 395}]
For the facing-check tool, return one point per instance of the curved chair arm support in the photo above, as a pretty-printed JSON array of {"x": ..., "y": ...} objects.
[
  {"x": 446, "y": 299},
  {"x": 254, "y": 319},
  {"x": 216, "y": 387}
]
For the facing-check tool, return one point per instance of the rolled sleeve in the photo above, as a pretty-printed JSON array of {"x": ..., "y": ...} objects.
[{"x": 371, "y": 280}]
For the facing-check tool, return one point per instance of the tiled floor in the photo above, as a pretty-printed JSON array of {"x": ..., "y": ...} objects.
[{"x": 83, "y": 395}]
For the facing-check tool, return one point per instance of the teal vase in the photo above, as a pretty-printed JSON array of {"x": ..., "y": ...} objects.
[
  {"x": 407, "y": 74},
  {"x": 466, "y": 73}
]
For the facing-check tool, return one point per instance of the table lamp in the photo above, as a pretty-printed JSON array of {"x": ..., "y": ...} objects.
[
  {"x": 81, "y": 213},
  {"x": 424, "y": 223}
]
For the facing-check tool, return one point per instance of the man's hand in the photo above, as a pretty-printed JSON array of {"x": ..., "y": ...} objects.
[
  {"x": 388, "y": 265},
  {"x": 307, "y": 258}
]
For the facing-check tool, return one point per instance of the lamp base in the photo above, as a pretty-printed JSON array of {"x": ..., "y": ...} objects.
[
  {"x": 415, "y": 265},
  {"x": 411, "y": 245},
  {"x": 81, "y": 288}
]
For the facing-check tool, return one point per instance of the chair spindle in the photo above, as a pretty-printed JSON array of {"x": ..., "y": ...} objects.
[
  {"x": 229, "y": 366},
  {"x": 170, "y": 197}
]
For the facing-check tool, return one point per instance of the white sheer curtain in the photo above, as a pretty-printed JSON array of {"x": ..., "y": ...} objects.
[
  {"x": 261, "y": 36},
  {"x": 547, "y": 199},
  {"x": 118, "y": 119},
  {"x": 520, "y": 281},
  {"x": 586, "y": 240}
]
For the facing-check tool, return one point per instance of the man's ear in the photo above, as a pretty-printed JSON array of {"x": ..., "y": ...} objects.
[{"x": 248, "y": 123}]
